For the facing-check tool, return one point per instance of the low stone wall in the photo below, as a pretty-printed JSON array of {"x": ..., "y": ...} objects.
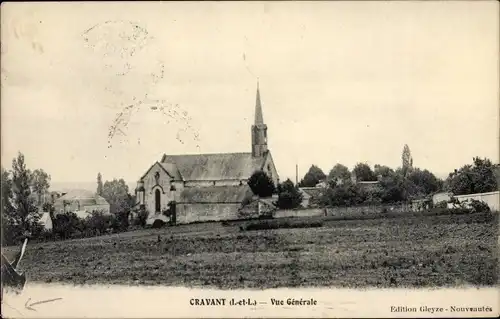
[
  {"x": 492, "y": 199},
  {"x": 351, "y": 211},
  {"x": 190, "y": 213}
]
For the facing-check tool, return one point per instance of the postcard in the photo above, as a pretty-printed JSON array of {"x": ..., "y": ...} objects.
[{"x": 250, "y": 159}]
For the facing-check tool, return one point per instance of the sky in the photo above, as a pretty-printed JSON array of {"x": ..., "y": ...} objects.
[{"x": 110, "y": 87}]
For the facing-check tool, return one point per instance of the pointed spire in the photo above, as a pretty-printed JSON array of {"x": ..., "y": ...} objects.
[{"x": 259, "y": 119}]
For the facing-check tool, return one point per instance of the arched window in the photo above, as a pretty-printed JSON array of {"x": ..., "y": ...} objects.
[{"x": 157, "y": 200}]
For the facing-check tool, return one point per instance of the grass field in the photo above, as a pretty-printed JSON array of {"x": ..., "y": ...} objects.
[{"x": 449, "y": 250}]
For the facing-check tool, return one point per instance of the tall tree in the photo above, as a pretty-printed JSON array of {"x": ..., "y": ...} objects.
[
  {"x": 40, "y": 183},
  {"x": 10, "y": 220},
  {"x": 8, "y": 213},
  {"x": 407, "y": 160},
  {"x": 289, "y": 196},
  {"x": 363, "y": 172},
  {"x": 313, "y": 176},
  {"x": 339, "y": 172},
  {"x": 261, "y": 184},
  {"x": 99, "y": 184},
  {"x": 23, "y": 203}
]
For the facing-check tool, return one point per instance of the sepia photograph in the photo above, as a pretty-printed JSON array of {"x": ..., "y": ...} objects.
[{"x": 250, "y": 159}]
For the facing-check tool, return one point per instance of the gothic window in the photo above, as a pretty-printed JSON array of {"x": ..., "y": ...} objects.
[
  {"x": 157, "y": 177},
  {"x": 157, "y": 200}
]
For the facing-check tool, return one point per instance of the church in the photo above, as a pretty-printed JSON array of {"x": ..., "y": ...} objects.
[{"x": 206, "y": 187}]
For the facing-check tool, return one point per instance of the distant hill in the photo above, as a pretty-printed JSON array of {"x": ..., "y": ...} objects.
[{"x": 90, "y": 186}]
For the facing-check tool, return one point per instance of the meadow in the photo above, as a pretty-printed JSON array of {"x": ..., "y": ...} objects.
[{"x": 410, "y": 251}]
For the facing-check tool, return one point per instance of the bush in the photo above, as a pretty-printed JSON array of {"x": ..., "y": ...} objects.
[
  {"x": 288, "y": 196},
  {"x": 276, "y": 224},
  {"x": 477, "y": 206},
  {"x": 11, "y": 234},
  {"x": 442, "y": 204},
  {"x": 46, "y": 235},
  {"x": 64, "y": 225},
  {"x": 158, "y": 223},
  {"x": 120, "y": 222},
  {"x": 261, "y": 184},
  {"x": 99, "y": 222},
  {"x": 141, "y": 216}
]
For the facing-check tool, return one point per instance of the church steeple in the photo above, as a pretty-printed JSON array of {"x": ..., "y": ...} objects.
[
  {"x": 259, "y": 119},
  {"x": 259, "y": 129}
]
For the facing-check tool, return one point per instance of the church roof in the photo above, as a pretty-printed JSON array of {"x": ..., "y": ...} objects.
[
  {"x": 215, "y": 194},
  {"x": 172, "y": 170},
  {"x": 222, "y": 166}
]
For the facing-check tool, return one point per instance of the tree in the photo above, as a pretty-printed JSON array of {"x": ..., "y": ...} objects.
[
  {"x": 140, "y": 217},
  {"x": 312, "y": 177},
  {"x": 407, "y": 160},
  {"x": 7, "y": 208},
  {"x": 426, "y": 182},
  {"x": 23, "y": 203},
  {"x": 98, "y": 222},
  {"x": 343, "y": 195},
  {"x": 363, "y": 172},
  {"x": 382, "y": 170},
  {"x": 289, "y": 196},
  {"x": 470, "y": 179},
  {"x": 66, "y": 225},
  {"x": 396, "y": 188},
  {"x": 99, "y": 184},
  {"x": 116, "y": 194},
  {"x": 10, "y": 221},
  {"x": 261, "y": 184},
  {"x": 339, "y": 172},
  {"x": 40, "y": 183},
  {"x": 393, "y": 189}
]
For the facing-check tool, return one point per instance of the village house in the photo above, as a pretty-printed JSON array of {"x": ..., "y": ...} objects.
[
  {"x": 203, "y": 187},
  {"x": 81, "y": 202}
]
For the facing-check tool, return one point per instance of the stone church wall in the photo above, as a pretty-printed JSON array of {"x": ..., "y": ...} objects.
[
  {"x": 270, "y": 170},
  {"x": 162, "y": 184},
  {"x": 189, "y": 213}
]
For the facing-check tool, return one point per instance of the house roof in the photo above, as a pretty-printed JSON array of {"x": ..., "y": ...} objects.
[
  {"x": 82, "y": 214},
  {"x": 215, "y": 194},
  {"x": 222, "y": 166},
  {"x": 45, "y": 218},
  {"x": 83, "y": 196},
  {"x": 312, "y": 191},
  {"x": 252, "y": 208}
]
